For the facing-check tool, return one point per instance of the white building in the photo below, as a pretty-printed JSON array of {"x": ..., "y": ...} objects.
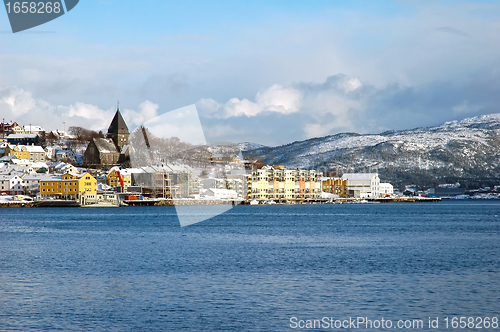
[
  {"x": 34, "y": 129},
  {"x": 62, "y": 168},
  {"x": 386, "y": 189},
  {"x": 64, "y": 154},
  {"x": 362, "y": 185},
  {"x": 11, "y": 184},
  {"x": 31, "y": 182}
]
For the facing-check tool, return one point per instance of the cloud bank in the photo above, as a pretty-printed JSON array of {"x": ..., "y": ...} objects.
[{"x": 19, "y": 105}]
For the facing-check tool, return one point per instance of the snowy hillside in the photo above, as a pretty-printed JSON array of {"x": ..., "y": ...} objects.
[{"x": 466, "y": 150}]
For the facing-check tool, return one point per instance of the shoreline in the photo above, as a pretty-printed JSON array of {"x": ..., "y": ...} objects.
[{"x": 201, "y": 202}]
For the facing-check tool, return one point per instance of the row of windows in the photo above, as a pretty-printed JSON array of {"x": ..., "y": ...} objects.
[
  {"x": 51, "y": 184},
  {"x": 53, "y": 190}
]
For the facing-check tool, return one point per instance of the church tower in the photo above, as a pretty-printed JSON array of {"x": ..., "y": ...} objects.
[{"x": 118, "y": 130}]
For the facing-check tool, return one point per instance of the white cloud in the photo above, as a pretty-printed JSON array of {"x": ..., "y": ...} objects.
[
  {"x": 19, "y": 105},
  {"x": 276, "y": 98},
  {"x": 147, "y": 111},
  {"x": 208, "y": 106},
  {"x": 352, "y": 84},
  {"x": 86, "y": 115},
  {"x": 333, "y": 104},
  {"x": 16, "y": 100},
  {"x": 236, "y": 107},
  {"x": 318, "y": 129},
  {"x": 279, "y": 98}
]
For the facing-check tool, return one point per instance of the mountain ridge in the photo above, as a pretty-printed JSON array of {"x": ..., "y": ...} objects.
[{"x": 460, "y": 150}]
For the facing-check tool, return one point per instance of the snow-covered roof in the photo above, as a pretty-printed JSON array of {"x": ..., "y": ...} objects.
[
  {"x": 6, "y": 169},
  {"x": 34, "y": 128},
  {"x": 222, "y": 191},
  {"x": 41, "y": 177},
  {"x": 359, "y": 176},
  {"x": 325, "y": 178},
  {"x": 125, "y": 171},
  {"x": 20, "y": 136},
  {"x": 63, "y": 151},
  {"x": 105, "y": 145},
  {"x": 8, "y": 177},
  {"x": 21, "y": 161},
  {"x": 34, "y": 148},
  {"x": 8, "y": 158}
]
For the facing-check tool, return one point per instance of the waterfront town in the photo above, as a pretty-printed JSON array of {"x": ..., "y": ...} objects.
[{"x": 57, "y": 168}]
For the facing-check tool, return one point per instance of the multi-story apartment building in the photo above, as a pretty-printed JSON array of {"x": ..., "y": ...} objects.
[
  {"x": 70, "y": 186},
  {"x": 260, "y": 183},
  {"x": 269, "y": 183}
]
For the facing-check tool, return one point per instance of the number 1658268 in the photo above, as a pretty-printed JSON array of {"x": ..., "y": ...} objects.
[{"x": 33, "y": 7}]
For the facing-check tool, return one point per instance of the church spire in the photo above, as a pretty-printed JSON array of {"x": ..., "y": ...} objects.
[{"x": 118, "y": 130}]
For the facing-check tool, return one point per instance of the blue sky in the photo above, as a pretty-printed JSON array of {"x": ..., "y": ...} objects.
[{"x": 270, "y": 72}]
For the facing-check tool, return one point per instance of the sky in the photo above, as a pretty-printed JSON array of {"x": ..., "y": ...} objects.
[{"x": 269, "y": 72}]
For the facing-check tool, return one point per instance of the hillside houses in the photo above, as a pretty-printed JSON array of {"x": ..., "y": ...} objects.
[
  {"x": 11, "y": 184},
  {"x": 23, "y": 139},
  {"x": 32, "y": 152},
  {"x": 214, "y": 173}
]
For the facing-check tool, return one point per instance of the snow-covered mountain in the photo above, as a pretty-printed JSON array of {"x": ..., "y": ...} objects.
[{"x": 466, "y": 151}]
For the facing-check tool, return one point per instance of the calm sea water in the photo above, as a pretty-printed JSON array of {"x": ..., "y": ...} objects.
[{"x": 250, "y": 269}]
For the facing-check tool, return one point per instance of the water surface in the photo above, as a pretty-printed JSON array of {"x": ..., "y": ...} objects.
[{"x": 250, "y": 269}]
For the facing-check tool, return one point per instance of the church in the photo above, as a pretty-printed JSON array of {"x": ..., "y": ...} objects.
[{"x": 111, "y": 150}]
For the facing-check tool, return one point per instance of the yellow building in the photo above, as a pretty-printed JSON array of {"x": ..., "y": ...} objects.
[
  {"x": 277, "y": 183},
  {"x": 30, "y": 152},
  {"x": 70, "y": 186},
  {"x": 337, "y": 186},
  {"x": 290, "y": 178},
  {"x": 260, "y": 183},
  {"x": 114, "y": 179}
]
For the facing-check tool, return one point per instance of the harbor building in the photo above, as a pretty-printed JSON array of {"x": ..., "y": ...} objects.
[
  {"x": 386, "y": 189},
  {"x": 362, "y": 185},
  {"x": 70, "y": 186},
  {"x": 278, "y": 183}
]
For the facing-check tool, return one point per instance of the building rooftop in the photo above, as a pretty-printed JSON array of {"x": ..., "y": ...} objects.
[
  {"x": 20, "y": 136},
  {"x": 359, "y": 176},
  {"x": 118, "y": 125},
  {"x": 105, "y": 145}
]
